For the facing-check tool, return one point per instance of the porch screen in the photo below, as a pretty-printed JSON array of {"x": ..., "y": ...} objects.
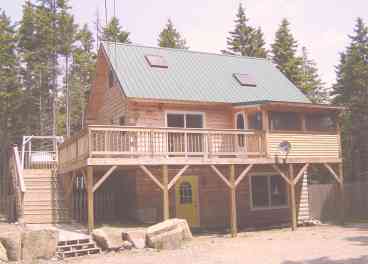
[{"x": 268, "y": 191}]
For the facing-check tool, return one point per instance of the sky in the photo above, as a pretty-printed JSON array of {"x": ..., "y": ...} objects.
[{"x": 322, "y": 26}]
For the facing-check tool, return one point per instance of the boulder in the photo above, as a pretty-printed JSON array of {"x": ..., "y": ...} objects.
[
  {"x": 12, "y": 241},
  {"x": 38, "y": 244},
  {"x": 136, "y": 237},
  {"x": 101, "y": 239},
  {"x": 168, "y": 234},
  {"x": 3, "y": 255},
  {"x": 127, "y": 244}
]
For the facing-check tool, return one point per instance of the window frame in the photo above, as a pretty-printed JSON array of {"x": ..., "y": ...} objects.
[
  {"x": 203, "y": 114},
  {"x": 269, "y": 207},
  {"x": 320, "y": 130}
]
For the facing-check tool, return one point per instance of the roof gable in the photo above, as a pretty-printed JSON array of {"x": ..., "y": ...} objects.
[{"x": 197, "y": 76}]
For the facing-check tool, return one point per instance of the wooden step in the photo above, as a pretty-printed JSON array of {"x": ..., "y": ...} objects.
[
  {"x": 42, "y": 195},
  {"x": 45, "y": 219}
]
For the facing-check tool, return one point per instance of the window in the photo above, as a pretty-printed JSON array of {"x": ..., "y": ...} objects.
[
  {"x": 186, "y": 193},
  {"x": 285, "y": 121},
  {"x": 156, "y": 61},
  {"x": 239, "y": 118},
  {"x": 268, "y": 191},
  {"x": 255, "y": 120},
  {"x": 245, "y": 79},
  {"x": 122, "y": 121},
  {"x": 320, "y": 122},
  {"x": 184, "y": 120},
  {"x": 111, "y": 79}
]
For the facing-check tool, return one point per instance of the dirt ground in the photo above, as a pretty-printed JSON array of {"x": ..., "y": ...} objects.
[{"x": 309, "y": 245}]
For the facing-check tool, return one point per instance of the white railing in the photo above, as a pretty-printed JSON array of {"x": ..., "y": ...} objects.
[
  {"x": 40, "y": 160},
  {"x": 119, "y": 141}
]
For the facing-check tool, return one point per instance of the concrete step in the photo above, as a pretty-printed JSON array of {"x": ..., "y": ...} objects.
[{"x": 76, "y": 248}]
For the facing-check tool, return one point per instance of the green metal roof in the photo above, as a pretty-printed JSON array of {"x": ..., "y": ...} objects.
[{"x": 197, "y": 76}]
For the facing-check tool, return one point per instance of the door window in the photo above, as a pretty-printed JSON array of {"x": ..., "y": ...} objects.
[{"x": 186, "y": 193}]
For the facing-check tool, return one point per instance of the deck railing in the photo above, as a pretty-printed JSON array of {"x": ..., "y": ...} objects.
[{"x": 135, "y": 142}]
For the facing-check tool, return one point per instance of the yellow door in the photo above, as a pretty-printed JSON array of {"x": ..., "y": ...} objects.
[{"x": 187, "y": 200}]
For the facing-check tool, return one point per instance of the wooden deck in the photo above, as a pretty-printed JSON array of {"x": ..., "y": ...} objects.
[{"x": 118, "y": 145}]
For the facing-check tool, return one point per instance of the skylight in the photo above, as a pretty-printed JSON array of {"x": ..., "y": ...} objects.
[
  {"x": 245, "y": 79},
  {"x": 156, "y": 61}
]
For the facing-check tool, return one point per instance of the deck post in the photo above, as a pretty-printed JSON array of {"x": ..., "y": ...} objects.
[
  {"x": 342, "y": 194},
  {"x": 165, "y": 183},
  {"x": 90, "y": 196},
  {"x": 233, "y": 215},
  {"x": 292, "y": 198}
]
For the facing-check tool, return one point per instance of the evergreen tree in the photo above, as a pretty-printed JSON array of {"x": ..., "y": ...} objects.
[
  {"x": 284, "y": 54},
  {"x": 245, "y": 40},
  {"x": 83, "y": 68},
  {"x": 113, "y": 32},
  {"x": 351, "y": 90},
  {"x": 171, "y": 38},
  {"x": 10, "y": 125},
  {"x": 311, "y": 83}
]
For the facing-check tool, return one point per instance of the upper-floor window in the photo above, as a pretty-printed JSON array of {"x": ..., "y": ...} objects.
[
  {"x": 185, "y": 120},
  {"x": 285, "y": 121},
  {"x": 255, "y": 120},
  {"x": 320, "y": 122}
]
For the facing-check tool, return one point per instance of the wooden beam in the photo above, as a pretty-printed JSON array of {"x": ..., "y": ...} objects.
[
  {"x": 221, "y": 175},
  {"x": 89, "y": 180},
  {"x": 277, "y": 169},
  {"x": 292, "y": 198},
  {"x": 104, "y": 178},
  {"x": 243, "y": 174},
  {"x": 332, "y": 172},
  {"x": 233, "y": 216},
  {"x": 165, "y": 179},
  {"x": 177, "y": 176},
  {"x": 342, "y": 194},
  {"x": 149, "y": 174},
  {"x": 301, "y": 172}
]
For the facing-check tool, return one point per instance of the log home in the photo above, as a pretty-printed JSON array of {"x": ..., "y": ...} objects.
[{"x": 222, "y": 141}]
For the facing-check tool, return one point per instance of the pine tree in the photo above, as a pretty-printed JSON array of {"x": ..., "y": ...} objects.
[
  {"x": 82, "y": 72},
  {"x": 171, "y": 38},
  {"x": 10, "y": 124},
  {"x": 245, "y": 40},
  {"x": 311, "y": 84},
  {"x": 284, "y": 51},
  {"x": 351, "y": 90},
  {"x": 113, "y": 32}
]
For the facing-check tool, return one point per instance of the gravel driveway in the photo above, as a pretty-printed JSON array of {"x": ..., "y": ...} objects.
[{"x": 309, "y": 245}]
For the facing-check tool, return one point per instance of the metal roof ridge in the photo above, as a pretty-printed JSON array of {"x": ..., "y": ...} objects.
[{"x": 187, "y": 50}]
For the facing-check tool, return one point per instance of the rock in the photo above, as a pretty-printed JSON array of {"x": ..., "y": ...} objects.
[
  {"x": 102, "y": 239},
  {"x": 3, "y": 255},
  {"x": 127, "y": 244},
  {"x": 136, "y": 237},
  {"x": 38, "y": 244},
  {"x": 168, "y": 234},
  {"x": 12, "y": 243}
]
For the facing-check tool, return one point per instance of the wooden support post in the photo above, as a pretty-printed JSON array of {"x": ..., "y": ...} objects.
[
  {"x": 90, "y": 196},
  {"x": 342, "y": 194},
  {"x": 233, "y": 216},
  {"x": 292, "y": 201},
  {"x": 165, "y": 183}
]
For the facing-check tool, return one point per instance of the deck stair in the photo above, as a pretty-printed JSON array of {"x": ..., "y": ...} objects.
[
  {"x": 43, "y": 199},
  {"x": 76, "y": 248}
]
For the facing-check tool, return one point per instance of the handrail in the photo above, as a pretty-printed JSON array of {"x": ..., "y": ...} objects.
[{"x": 19, "y": 170}]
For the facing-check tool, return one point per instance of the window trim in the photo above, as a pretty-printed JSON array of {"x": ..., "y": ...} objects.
[
  {"x": 299, "y": 116},
  {"x": 203, "y": 114},
  {"x": 259, "y": 208}
]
